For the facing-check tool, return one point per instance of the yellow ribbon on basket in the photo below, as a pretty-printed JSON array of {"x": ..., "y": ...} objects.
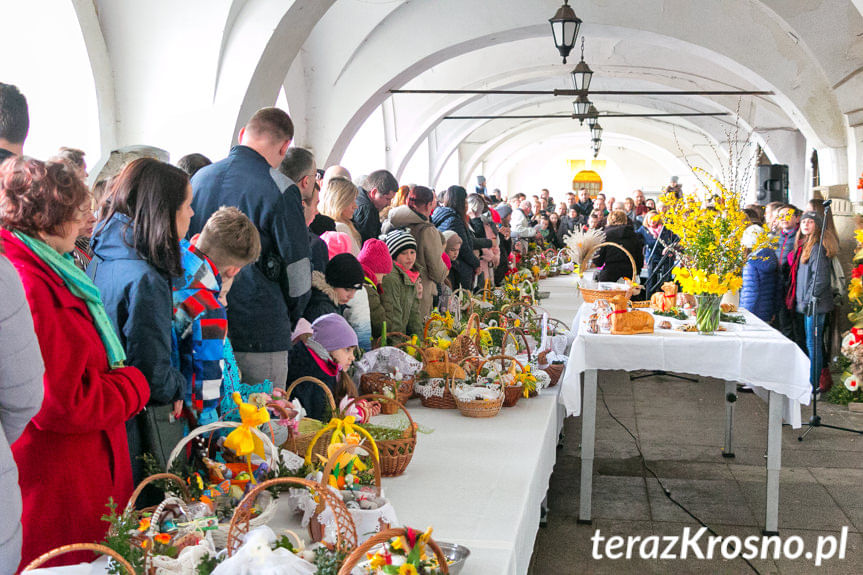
[
  {"x": 341, "y": 428},
  {"x": 243, "y": 440}
]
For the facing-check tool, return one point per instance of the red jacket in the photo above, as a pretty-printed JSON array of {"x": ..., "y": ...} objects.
[{"x": 73, "y": 454}]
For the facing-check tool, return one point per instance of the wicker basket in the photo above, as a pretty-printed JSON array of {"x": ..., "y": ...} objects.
[
  {"x": 477, "y": 408},
  {"x": 268, "y": 504},
  {"x": 242, "y": 521},
  {"x": 395, "y": 454},
  {"x": 316, "y": 528},
  {"x": 392, "y": 335},
  {"x": 554, "y": 370},
  {"x": 96, "y": 548},
  {"x": 163, "y": 564},
  {"x": 591, "y": 295},
  {"x": 511, "y": 394},
  {"x": 463, "y": 345},
  {"x": 359, "y": 554},
  {"x": 443, "y": 401},
  {"x": 375, "y": 383},
  {"x": 299, "y": 442}
]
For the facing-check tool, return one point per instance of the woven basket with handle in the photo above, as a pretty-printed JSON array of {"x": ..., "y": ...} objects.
[
  {"x": 316, "y": 528},
  {"x": 96, "y": 548},
  {"x": 242, "y": 520},
  {"x": 299, "y": 442},
  {"x": 477, "y": 407},
  {"x": 591, "y": 295},
  {"x": 267, "y": 504},
  {"x": 395, "y": 454},
  {"x": 359, "y": 554},
  {"x": 444, "y": 401}
]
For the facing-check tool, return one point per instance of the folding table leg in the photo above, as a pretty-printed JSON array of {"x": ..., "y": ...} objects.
[
  {"x": 588, "y": 443},
  {"x": 774, "y": 463},
  {"x": 730, "y": 400}
]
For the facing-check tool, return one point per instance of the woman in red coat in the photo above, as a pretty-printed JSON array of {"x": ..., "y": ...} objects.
[{"x": 73, "y": 454}]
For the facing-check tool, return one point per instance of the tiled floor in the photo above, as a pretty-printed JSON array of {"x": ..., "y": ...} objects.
[{"x": 680, "y": 428}]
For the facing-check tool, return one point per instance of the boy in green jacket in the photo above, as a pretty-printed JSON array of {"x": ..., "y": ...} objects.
[{"x": 402, "y": 288}]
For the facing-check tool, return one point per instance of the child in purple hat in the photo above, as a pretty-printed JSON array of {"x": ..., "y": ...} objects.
[{"x": 324, "y": 355}]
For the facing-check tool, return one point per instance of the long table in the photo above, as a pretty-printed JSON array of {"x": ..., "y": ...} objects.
[
  {"x": 478, "y": 482},
  {"x": 753, "y": 354}
]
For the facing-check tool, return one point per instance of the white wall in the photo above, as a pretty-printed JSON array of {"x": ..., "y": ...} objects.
[
  {"x": 49, "y": 64},
  {"x": 367, "y": 151}
]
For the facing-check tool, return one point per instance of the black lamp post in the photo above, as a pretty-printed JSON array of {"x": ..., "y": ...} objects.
[
  {"x": 581, "y": 105},
  {"x": 581, "y": 74},
  {"x": 564, "y": 28}
]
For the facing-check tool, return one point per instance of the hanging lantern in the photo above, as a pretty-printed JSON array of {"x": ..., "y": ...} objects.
[
  {"x": 564, "y": 29},
  {"x": 581, "y": 105},
  {"x": 592, "y": 116},
  {"x": 597, "y": 144},
  {"x": 596, "y": 131},
  {"x": 581, "y": 74}
]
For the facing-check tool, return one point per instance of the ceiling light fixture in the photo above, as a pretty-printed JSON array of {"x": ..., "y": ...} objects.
[{"x": 564, "y": 28}]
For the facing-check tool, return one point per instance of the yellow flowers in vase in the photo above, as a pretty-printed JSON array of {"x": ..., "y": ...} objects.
[{"x": 711, "y": 251}]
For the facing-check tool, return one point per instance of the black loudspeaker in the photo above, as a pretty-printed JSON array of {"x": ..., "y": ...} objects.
[{"x": 772, "y": 184}]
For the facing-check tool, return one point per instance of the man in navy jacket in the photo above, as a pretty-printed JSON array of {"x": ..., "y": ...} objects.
[{"x": 268, "y": 297}]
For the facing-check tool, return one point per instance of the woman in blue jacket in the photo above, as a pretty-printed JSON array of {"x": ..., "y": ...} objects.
[
  {"x": 453, "y": 216},
  {"x": 762, "y": 289},
  {"x": 136, "y": 249}
]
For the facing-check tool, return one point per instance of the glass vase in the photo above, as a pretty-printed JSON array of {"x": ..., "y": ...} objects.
[{"x": 707, "y": 313}]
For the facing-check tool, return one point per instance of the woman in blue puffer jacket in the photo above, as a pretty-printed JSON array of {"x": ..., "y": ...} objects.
[{"x": 761, "y": 292}]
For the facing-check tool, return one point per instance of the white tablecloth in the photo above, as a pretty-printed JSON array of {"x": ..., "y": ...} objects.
[
  {"x": 754, "y": 354},
  {"x": 479, "y": 482}
]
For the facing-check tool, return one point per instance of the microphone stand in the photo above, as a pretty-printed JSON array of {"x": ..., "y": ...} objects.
[{"x": 815, "y": 420}]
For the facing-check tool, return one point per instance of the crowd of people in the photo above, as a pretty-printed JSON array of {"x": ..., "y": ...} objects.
[{"x": 126, "y": 303}]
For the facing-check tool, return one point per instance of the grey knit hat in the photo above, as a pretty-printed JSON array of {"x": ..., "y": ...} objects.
[
  {"x": 398, "y": 241},
  {"x": 815, "y": 216}
]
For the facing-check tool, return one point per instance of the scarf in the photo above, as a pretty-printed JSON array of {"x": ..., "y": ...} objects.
[
  {"x": 412, "y": 275},
  {"x": 81, "y": 287}
]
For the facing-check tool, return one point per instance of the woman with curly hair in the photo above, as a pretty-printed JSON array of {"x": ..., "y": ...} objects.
[{"x": 73, "y": 454}]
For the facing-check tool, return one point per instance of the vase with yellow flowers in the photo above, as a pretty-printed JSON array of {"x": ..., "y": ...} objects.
[{"x": 710, "y": 253}]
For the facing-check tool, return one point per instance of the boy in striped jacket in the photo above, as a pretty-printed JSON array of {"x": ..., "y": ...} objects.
[{"x": 228, "y": 242}]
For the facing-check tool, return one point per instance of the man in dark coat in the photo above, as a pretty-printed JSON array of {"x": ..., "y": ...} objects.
[
  {"x": 268, "y": 297},
  {"x": 381, "y": 187},
  {"x": 584, "y": 205}
]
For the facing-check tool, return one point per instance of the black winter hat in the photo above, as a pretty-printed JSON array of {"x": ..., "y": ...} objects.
[{"x": 345, "y": 271}]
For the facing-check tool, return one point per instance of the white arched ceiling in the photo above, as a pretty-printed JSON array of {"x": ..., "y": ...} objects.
[
  {"x": 186, "y": 75},
  {"x": 615, "y": 67},
  {"x": 757, "y": 44}
]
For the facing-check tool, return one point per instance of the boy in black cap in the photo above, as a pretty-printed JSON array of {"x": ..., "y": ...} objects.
[{"x": 332, "y": 290}]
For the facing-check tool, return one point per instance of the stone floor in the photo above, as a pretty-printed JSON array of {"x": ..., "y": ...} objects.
[{"x": 680, "y": 428}]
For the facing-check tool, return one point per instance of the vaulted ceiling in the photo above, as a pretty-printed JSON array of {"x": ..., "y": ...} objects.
[{"x": 215, "y": 62}]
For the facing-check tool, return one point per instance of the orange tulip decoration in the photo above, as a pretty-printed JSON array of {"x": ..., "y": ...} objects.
[{"x": 243, "y": 440}]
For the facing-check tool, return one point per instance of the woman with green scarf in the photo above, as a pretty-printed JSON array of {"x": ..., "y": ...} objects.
[{"x": 73, "y": 455}]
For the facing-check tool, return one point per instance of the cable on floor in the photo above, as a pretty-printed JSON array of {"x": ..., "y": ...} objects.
[{"x": 665, "y": 490}]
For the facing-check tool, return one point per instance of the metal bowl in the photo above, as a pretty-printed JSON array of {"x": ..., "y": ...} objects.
[{"x": 456, "y": 555}]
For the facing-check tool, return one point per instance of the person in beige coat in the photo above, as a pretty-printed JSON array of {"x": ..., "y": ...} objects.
[{"x": 430, "y": 243}]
